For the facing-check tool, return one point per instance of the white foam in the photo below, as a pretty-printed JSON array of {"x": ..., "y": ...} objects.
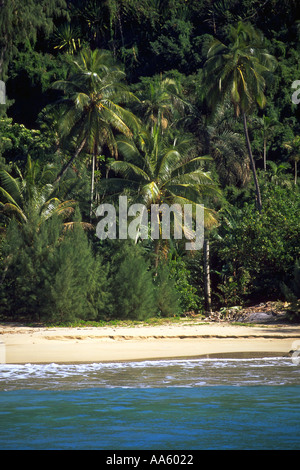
[{"x": 182, "y": 372}]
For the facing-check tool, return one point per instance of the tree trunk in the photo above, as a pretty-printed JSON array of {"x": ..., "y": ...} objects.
[
  {"x": 69, "y": 163},
  {"x": 207, "y": 276},
  {"x": 252, "y": 164},
  {"x": 92, "y": 185},
  {"x": 156, "y": 256},
  {"x": 3, "y": 52},
  {"x": 265, "y": 154}
]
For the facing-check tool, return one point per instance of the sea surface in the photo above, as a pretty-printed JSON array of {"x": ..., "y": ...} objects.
[{"x": 192, "y": 404}]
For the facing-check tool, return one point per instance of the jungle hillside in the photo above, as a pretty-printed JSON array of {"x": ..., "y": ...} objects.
[{"x": 165, "y": 102}]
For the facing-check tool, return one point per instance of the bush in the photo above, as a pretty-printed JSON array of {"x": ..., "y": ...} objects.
[
  {"x": 131, "y": 283},
  {"x": 167, "y": 296},
  {"x": 292, "y": 293},
  {"x": 48, "y": 272},
  {"x": 187, "y": 292},
  {"x": 256, "y": 252}
]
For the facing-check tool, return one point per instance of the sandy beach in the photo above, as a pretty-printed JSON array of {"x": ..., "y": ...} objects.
[{"x": 23, "y": 344}]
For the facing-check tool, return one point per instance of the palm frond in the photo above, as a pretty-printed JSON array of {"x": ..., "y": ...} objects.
[
  {"x": 128, "y": 149},
  {"x": 128, "y": 169},
  {"x": 13, "y": 209},
  {"x": 150, "y": 193},
  {"x": 9, "y": 198},
  {"x": 11, "y": 187},
  {"x": 169, "y": 162}
]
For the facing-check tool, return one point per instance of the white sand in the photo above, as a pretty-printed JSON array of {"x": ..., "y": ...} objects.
[{"x": 23, "y": 344}]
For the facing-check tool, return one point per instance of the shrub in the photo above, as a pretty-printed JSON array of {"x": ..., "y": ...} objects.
[
  {"x": 292, "y": 293},
  {"x": 167, "y": 296},
  {"x": 48, "y": 272},
  {"x": 132, "y": 288}
]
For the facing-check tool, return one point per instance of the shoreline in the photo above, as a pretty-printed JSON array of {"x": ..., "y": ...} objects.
[{"x": 42, "y": 345}]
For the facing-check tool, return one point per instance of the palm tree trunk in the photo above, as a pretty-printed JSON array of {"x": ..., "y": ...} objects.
[
  {"x": 2, "y": 53},
  {"x": 92, "y": 185},
  {"x": 265, "y": 154},
  {"x": 207, "y": 276},
  {"x": 252, "y": 164},
  {"x": 69, "y": 163},
  {"x": 156, "y": 256}
]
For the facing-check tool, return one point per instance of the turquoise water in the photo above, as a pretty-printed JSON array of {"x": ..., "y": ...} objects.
[
  {"x": 153, "y": 405},
  {"x": 259, "y": 417}
]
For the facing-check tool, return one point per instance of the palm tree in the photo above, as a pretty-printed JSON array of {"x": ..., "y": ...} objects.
[
  {"x": 277, "y": 172},
  {"x": 160, "y": 100},
  {"x": 32, "y": 195},
  {"x": 90, "y": 109},
  {"x": 94, "y": 16},
  {"x": 228, "y": 148},
  {"x": 267, "y": 126},
  {"x": 293, "y": 148},
  {"x": 156, "y": 171},
  {"x": 238, "y": 70}
]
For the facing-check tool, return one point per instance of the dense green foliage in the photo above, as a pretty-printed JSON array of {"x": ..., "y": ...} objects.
[{"x": 174, "y": 101}]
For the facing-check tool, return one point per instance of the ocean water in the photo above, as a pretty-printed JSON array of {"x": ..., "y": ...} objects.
[{"x": 193, "y": 404}]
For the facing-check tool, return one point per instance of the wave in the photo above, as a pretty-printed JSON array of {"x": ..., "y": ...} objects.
[{"x": 151, "y": 374}]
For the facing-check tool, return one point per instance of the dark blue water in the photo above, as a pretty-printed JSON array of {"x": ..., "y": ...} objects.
[
  {"x": 163, "y": 405},
  {"x": 258, "y": 417}
]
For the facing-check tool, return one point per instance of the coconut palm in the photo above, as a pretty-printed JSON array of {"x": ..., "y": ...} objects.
[
  {"x": 228, "y": 148},
  {"x": 160, "y": 100},
  {"x": 267, "y": 126},
  {"x": 32, "y": 195},
  {"x": 155, "y": 170},
  {"x": 90, "y": 107},
  {"x": 238, "y": 70}
]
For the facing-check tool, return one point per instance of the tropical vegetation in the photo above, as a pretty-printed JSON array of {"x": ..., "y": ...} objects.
[{"x": 166, "y": 102}]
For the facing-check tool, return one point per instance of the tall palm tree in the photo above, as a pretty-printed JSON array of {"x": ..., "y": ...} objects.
[
  {"x": 266, "y": 126},
  {"x": 156, "y": 171},
  {"x": 238, "y": 70},
  {"x": 90, "y": 107},
  {"x": 228, "y": 148}
]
